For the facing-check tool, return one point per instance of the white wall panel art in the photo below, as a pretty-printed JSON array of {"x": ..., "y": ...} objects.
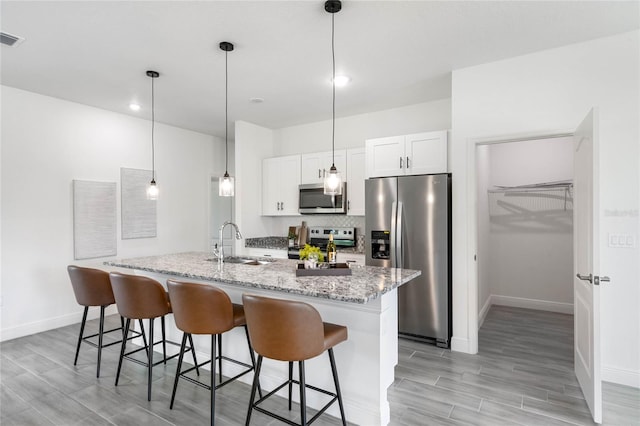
[{"x": 94, "y": 219}]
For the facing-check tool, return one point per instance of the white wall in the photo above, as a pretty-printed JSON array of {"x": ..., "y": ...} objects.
[
  {"x": 252, "y": 144},
  {"x": 352, "y": 131},
  {"x": 530, "y": 258},
  {"x": 539, "y": 93},
  {"x": 46, "y": 143}
]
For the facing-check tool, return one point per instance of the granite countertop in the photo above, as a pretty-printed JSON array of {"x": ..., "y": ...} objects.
[{"x": 364, "y": 285}]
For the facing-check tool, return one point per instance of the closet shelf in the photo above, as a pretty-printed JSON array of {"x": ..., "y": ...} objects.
[{"x": 523, "y": 200}]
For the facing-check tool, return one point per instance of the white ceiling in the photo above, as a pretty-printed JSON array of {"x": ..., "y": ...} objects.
[{"x": 396, "y": 52}]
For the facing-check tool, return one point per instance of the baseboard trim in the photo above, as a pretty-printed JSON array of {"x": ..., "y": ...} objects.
[
  {"x": 459, "y": 344},
  {"x": 541, "y": 305},
  {"x": 51, "y": 323},
  {"x": 484, "y": 311},
  {"x": 621, "y": 376}
]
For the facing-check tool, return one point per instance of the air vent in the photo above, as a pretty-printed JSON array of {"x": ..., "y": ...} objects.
[{"x": 10, "y": 39}]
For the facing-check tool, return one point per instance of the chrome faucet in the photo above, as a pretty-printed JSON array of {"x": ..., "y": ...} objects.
[{"x": 219, "y": 247}]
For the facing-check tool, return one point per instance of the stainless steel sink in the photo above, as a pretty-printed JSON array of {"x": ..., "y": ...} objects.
[{"x": 242, "y": 261}]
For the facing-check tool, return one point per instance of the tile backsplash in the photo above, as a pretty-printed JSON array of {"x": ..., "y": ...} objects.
[{"x": 282, "y": 224}]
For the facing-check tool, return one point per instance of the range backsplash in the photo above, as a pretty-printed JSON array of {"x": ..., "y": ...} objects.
[{"x": 282, "y": 224}]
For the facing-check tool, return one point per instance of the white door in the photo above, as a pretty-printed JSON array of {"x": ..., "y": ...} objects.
[{"x": 586, "y": 298}]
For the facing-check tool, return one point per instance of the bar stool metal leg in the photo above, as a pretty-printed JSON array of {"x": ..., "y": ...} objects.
[
  {"x": 144, "y": 338},
  {"x": 213, "y": 376},
  {"x": 179, "y": 369},
  {"x": 334, "y": 371},
  {"x": 100, "y": 334},
  {"x": 303, "y": 399},
  {"x": 290, "y": 382},
  {"x": 164, "y": 340},
  {"x": 124, "y": 344},
  {"x": 193, "y": 352},
  {"x": 149, "y": 373},
  {"x": 84, "y": 319},
  {"x": 253, "y": 388},
  {"x": 220, "y": 356}
]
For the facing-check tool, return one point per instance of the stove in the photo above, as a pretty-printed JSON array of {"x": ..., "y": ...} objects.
[{"x": 319, "y": 237}]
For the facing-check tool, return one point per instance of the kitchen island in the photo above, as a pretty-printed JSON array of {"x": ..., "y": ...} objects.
[{"x": 365, "y": 302}]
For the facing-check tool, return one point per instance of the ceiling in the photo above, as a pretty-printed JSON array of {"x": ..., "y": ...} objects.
[{"x": 396, "y": 52}]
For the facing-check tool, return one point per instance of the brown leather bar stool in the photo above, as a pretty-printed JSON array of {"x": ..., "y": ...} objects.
[
  {"x": 205, "y": 309},
  {"x": 287, "y": 330},
  {"x": 93, "y": 288},
  {"x": 139, "y": 298}
]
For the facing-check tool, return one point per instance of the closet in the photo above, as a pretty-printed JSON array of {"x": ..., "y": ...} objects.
[{"x": 525, "y": 225}]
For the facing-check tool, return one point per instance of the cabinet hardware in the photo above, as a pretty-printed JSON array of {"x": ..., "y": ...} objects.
[
  {"x": 400, "y": 162},
  {"x": 408, "y": 163},
  {"x": 348, "y": 205},
  {"x": 319, "y": 174}
]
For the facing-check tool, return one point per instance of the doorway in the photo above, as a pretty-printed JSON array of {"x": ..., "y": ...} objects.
[{"x": 525, "y": 224}]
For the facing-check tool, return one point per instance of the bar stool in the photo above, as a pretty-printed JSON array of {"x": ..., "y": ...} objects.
[
  {"x": 205, "y": 309},
  {"x": 139, "y": 298},
  {"x": 93, "y": 288},
  {"x": 287, "y": 330}
]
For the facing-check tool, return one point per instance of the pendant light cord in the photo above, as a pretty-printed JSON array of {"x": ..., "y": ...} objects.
[
  {"x": 226, "y": 113},
  {"x": 153, "y": 121},
  {"x": 333, "y": 82}
]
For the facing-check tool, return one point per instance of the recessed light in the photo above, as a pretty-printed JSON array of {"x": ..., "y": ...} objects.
[
  {"x": 256, "y": 100},
  {"x": 134, "y": 107},
  {"x": 342, "y": 80}
]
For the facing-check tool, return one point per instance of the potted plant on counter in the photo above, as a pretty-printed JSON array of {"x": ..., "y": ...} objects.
[{"x": 311, "y": 255}]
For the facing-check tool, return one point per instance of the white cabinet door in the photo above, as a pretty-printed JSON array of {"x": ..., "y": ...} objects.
[
  {"x": 280, "y": 180},
  {"x": 426, "y": 153},
  {"x": 316, "y": 165},
  {"x": 417, "y": 154},
  {"x": 312, "y": 166},
  {"x": 270, "y": 180},
  {"x": 356, "y": 159},
  {"x": 288, "y": 186},
  {"x": 385, "y": 156}
]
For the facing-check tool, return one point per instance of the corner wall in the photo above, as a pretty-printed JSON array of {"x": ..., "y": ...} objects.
[
  {"x": 545, "y": 92},
  {"x": 48, "y": 142}
]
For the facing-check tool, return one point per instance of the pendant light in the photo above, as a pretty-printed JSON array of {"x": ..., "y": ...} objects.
[
  {"x": 332, "y": 181},
  {"x": 225, "y": 184},
  {"x": 152, "y": 189}
]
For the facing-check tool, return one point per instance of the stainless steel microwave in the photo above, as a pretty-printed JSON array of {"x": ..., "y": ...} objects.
[{"x": 313, "y": 201}]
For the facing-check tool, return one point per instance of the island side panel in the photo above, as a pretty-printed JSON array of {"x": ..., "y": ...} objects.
[{"x": 365, "y": 361}]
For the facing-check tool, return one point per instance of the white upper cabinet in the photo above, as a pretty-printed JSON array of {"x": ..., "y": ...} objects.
[
  {"x": 315, "y": 166},
  {"x": 417, "y": 154},
  {"x": 355, "y": 181},
  {"x": 280, "y": 180}
]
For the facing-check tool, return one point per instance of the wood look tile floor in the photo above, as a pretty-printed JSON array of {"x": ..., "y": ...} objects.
[{"x": 522, "y": 375}]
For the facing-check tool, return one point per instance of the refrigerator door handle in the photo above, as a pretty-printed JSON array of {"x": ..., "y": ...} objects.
[
  {"x": 398, "y": 242},
  {"x": 392, "y": 237}
]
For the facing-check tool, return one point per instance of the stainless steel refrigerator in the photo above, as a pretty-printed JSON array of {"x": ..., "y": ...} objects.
[{"x": 408, "y": 225}]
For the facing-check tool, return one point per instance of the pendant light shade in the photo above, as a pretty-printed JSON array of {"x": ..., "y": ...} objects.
[
  {"x": 226, "y": 183},
  {"x": 332, "y": 181},
  {"x": 152, "y": 189}
]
